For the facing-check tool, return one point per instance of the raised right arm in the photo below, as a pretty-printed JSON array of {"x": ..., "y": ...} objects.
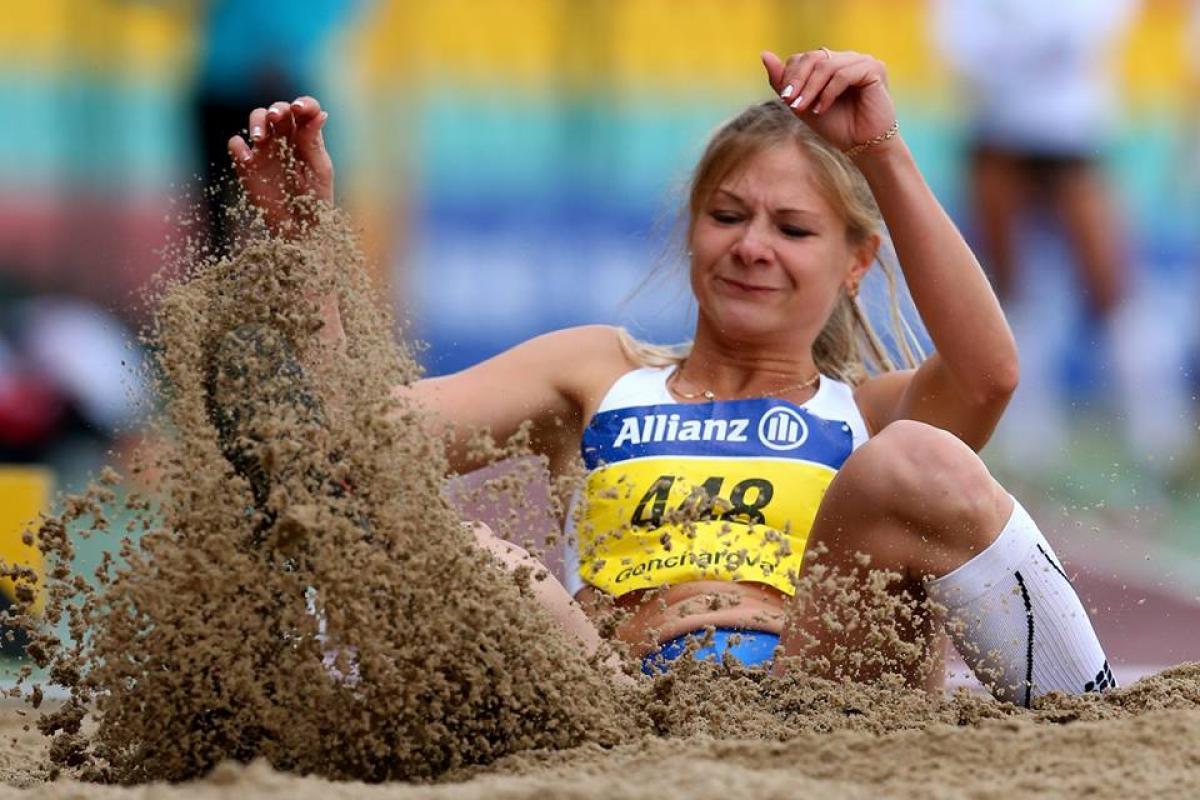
[
  {"x": 551, "y": 380},
  {"x": 285, "y": 160},
  {"x": 546, "y": 380}
]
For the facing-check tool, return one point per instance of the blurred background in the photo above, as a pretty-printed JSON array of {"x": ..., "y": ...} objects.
[{"x": 516, "y": 166}]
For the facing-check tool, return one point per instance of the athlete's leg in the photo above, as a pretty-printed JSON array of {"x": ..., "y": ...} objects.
[
  {"x": 260, "y": 356},
  {"x": 918, "y": 502},
  {"x": 551, "y": 595},
  {"x": 921, "y": 504}
]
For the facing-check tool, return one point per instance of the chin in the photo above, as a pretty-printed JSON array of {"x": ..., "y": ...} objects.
[
  {"x": 750, "y": 327},
  {"x": 753, "y": 323}
]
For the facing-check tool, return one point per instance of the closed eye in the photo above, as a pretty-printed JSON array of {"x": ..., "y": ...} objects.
[
  {"x": 725, "y": 217},
  {"x": 794, "y": 232}
]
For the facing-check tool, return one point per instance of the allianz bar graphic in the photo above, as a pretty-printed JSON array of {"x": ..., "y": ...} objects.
[
  {"x": 784, "y": 431},
  {"x": 764, "y": 427}
]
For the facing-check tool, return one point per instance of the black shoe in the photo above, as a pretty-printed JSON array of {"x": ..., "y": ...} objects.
[
  {"x": 254, "y": 377},
  {"x": 254, "y": 380}
]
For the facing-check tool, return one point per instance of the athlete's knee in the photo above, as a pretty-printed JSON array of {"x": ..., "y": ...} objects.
[{"x": 917, "y": 470}]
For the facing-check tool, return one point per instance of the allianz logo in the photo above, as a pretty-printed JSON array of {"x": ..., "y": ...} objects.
[{"x": 780, "y": 428}]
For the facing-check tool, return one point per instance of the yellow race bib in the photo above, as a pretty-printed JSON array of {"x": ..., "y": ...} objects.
[{"x": 713, "y": 491}]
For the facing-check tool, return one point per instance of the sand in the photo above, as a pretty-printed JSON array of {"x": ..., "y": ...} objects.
[
  {"x": 1145, "y": 748},
  {"x": 307, "y": 607}
]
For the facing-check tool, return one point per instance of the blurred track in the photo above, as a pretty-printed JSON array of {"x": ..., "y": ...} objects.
[{"x": 1145, "y": 607}]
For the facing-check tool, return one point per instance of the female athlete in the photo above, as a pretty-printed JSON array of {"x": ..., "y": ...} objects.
[{"x": 783, "y": 424}]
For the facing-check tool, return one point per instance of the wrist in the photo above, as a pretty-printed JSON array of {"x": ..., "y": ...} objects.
[
  {"x": 875, "y": 142},
  {"x": 882, "y": 158}
]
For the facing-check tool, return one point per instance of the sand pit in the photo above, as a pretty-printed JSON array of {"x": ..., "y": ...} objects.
[
  {"x": 1143, "y": 746},
  {"x": 307, "y": 607}
]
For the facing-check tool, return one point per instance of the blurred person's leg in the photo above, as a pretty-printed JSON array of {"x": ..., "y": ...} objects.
[
  {"x": 1143, "y": 347},
  {"x": 1149, "y": 342},
  {"x": 998, "y": 191},
  {"x": 1084, "y": 203},
  {"x": 1032, "y": 436}
]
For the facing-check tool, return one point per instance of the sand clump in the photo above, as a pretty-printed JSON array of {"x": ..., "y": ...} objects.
[
  {"x": 305, "y": 600},
  {"x": 304, "y": 593}
]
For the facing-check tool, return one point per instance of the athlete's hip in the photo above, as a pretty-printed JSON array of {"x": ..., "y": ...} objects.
[{"x": 656, "y": 616}]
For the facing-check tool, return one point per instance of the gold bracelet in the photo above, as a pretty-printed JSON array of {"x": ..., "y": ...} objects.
[{"x": 890, "y": 133}]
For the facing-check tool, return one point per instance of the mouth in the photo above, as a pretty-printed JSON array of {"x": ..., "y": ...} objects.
[{"x": 745, "y": 288}]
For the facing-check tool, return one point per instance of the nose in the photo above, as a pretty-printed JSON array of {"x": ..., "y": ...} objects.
[{"x": 752, "y": 247}]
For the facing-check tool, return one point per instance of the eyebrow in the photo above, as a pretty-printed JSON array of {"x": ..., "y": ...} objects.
[{"x": 735, "y": 196}]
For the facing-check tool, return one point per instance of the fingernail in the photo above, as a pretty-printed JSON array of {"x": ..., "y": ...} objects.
[
  {"x": 787, "y": 91},
  {"x": 247, "y": 156},
  {"x": 324, "y": 116},
  {"x": 256, "y": 132},
  {"x": 796, "y": 103},
  {"x": 297, "y": 105}
]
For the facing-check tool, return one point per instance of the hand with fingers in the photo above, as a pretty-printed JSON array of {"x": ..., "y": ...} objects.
[
  {"x": 842, "y": 95},
  {"x": 284, "y": 160}
]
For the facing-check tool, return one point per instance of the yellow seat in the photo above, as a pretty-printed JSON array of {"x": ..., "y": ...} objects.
[{"x": 24, "y": 494}]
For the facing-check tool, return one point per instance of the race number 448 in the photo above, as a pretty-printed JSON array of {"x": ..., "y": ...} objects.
[{"x": 746, "y": 501}]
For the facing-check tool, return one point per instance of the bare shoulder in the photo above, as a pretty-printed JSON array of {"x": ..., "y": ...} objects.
[
  {"x": 594, "y": 341},
  {"x": 585, "y": 359},
  {"x": 556, "y": 374},
  {"x": 553, "y": 381}
]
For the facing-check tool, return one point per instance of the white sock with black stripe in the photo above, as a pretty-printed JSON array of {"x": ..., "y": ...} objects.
[{"x": 1016, "y": 620}]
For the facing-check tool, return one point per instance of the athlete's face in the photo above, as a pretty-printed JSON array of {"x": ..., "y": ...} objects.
[{"x": 769, "y": 254}]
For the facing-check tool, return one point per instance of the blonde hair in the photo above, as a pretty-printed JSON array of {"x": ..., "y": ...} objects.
[{"x": 848, "y": 348}]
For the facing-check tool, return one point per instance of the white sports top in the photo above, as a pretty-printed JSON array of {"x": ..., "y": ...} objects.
[{"x": 758, "y": 466}]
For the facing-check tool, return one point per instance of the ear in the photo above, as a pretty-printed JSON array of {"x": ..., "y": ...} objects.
[{"x": 864, "y": 256}]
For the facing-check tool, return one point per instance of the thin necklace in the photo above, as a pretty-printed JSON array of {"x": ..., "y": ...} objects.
[{"x": 709, "y": 394}]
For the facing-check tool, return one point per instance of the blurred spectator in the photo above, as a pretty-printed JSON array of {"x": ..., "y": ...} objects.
[
  {"x": 1042, "y": 89},
  {"x": 70, "y": 383},
  {"x": 252, "y": 54},
  {"x": 1040, "y": 80}
]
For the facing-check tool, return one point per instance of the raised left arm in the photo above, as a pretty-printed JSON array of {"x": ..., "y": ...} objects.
[{"x": 966, "y": 384}]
